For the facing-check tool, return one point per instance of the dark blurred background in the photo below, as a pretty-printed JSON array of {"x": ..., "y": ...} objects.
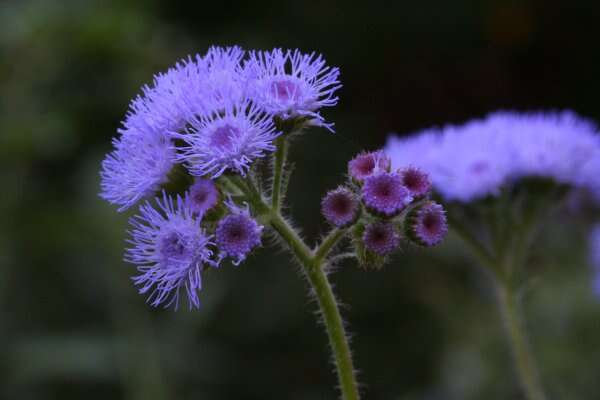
[{"x": 71, "y": 323}]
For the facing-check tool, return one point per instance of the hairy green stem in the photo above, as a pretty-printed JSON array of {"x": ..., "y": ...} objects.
[
  {"x": 515, "y": 332},
  {"x": 313, "y": 266},
  {"x": 278, "y": 167},
  {"x": 322, "y": 251},
  {"x": 335, "y": 330}
]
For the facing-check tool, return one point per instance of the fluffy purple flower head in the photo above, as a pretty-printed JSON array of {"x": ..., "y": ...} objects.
[
  {"x": 427, "y": 225},
  {"x": 170, "y": 250},
  {"x": 291, "y": 84},
  {"x": 227, "y": 140},
  {"x": 384, "y": 194},
  {"x": 340, "y": 207},
  {"x": 416, "y": 181},
  {"x": 136, "y": 168},
  {"x": 237, "y": 234},
  {"x": 143, "y": 154},
  {"x": 381, "y": 238},
  {"x": 202, "y": 196},
  {"x": 470, "y": 161},
  {"x": 192, "y": 86},
  {"x": 367, "y": 164}
]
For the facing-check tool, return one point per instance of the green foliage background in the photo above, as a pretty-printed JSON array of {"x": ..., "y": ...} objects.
[{"x": 72, "y": 325}]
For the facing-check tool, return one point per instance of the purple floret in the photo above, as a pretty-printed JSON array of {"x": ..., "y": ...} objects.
[
  {"x": 228, "y": 140},
  {"x": 170, "y": 250},
  {"x": 340, "y": 207},
  {"x": 427, "y": 224},
  {"x": 137, "y": 168},
  {"x": 202, "y": 196},
  {"x": 381, "y": 238},
  {"x": 385, "y": 195},
  {"x": 290, "y": 84},
  {"x": 367, "y": 164},
  {"x": 416, "y": 181},
  {"x": 237, "y": 234}
]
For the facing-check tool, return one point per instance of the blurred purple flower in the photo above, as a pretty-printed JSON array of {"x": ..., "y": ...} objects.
[
  {"x": 170, "y": 250},
  {"x": 478, "y": 158}
]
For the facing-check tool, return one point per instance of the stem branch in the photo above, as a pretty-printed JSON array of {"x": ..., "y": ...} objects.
[
  {"x": 312, "y": 264},
  {"x": 278, "y": 166},
  {"x": 515, "y": 332}
]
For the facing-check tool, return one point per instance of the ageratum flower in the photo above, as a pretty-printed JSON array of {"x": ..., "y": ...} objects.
[
  {"x": 202, "y": 196},
  {"x": 477, "y": 159},
  {"x": 381, "y": 238},
  {"x": 237, "y": 234},
  {"x": 384, "y": 194},
  {"x": 367, "y": 164},
  {"x": 426, "y": 225},
  {"x": 170, "y": 250},
  {"x": 143, "y": 154},
  {"x": 137, "y": 167},
  {"x": 340, "y": 207},
  {"x": 230, "y": 139},
  {"x": 291, "y": 84}
]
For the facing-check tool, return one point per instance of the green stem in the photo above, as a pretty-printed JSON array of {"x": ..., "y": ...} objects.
[
  {"x": 328, "y": 243},
  {"x": 313, "y": 265},
  {"x": 515, "y": 331},
  {"x": 509, "y": 312},
  {"x": 278, "y": 164},
  {"x": 292, "y": 239},
  {"x": 335, "y": 330}
]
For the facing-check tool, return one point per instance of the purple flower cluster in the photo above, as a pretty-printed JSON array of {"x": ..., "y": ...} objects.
[
  {"x": 477, "y": 159},
  {"x": 385, "y": 194},
  {"x": 208, "y": 115},
  {"x": 213, "y": 113}
]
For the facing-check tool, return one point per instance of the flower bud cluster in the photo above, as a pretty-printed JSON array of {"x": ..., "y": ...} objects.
[{"x": 384, "y": 207}]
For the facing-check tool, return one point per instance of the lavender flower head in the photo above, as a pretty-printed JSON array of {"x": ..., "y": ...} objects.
[
  {"x": 144, "y": 154},
  {"x": 426, "y": 225},
  {"x": 202, "y": 196},
  {"x": 384, "y": 194},
  {"x": 381, "y": 238},
  {"x": 477, "y": 159},
  {"x": 137, "y": 168},
  {"x": 340, "y": 207},
  {"x": 237, "y": 234},
  {"x": 170, "y": 250},
  {"x": 366, "y": 164},
  {"x": 291, "y": 84},
  {"x": 228, "y": 140}
]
